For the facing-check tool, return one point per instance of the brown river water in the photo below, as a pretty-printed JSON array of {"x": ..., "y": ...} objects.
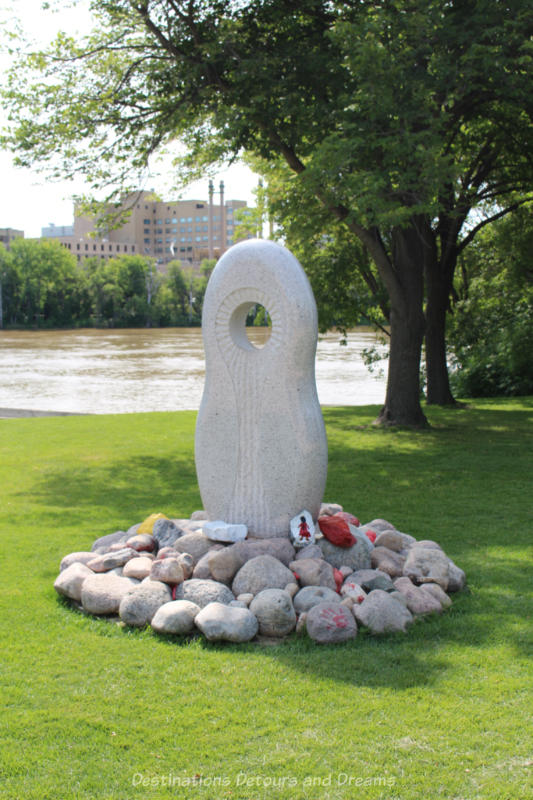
[{"x": 120, "y": 371}]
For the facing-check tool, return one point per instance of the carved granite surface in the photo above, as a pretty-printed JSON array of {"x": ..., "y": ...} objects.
[{"x": 261, "y": 449}]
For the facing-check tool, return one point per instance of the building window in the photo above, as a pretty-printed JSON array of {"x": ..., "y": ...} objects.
[
  {"x": 174, "y": 220},
  {"x": 147, "y": 241},
  {"x": 146, "y": 222},
  {"x": 86, "y": 246},
  {"x": 147, "y": 230},
  {"x": 133, "y": 248},
  {"x": 159, "y": 222},
  {"x": 159, "y": 230}
]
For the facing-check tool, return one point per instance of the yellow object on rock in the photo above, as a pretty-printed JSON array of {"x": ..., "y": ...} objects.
[{"x": 148, "y": 525}]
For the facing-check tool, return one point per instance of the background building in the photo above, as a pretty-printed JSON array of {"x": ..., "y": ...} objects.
[
  {"x": 57, "y": 231},
  {"x": 8, "y": 234},
  {"x": 184, "y": 230}
]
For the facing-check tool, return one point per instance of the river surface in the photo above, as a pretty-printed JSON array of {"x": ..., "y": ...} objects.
[{"x": 119, "y": 371}]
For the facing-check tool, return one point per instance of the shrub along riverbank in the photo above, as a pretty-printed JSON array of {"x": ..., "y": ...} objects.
[{"x": 93, "y": 710}]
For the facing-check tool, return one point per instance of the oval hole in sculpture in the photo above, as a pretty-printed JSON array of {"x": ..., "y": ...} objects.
[
  {"x": 243, "y": 332},
  {"x": 258, "y": 326}
]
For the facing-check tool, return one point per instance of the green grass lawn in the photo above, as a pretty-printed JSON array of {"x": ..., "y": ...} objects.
[{"x": 91, "y": 710}]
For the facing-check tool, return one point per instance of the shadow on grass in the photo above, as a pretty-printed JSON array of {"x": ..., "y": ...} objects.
[
  {"x": 128, "y": 490},
  {"x": 464, "y": 475}
]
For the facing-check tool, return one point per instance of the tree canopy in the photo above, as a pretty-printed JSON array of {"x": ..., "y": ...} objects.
[{"x": 396, "y": 119}]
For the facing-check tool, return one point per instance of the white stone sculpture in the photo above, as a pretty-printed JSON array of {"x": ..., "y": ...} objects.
[{"x": 261, "y": 449}]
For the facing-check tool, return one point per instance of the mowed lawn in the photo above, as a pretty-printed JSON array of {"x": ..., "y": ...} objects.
[{"x": 92, "y": 710}]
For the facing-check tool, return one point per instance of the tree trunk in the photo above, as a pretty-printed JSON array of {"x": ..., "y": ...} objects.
[
  {"x": 438, "y": 286},
  {"x": 406, "y": 288}
]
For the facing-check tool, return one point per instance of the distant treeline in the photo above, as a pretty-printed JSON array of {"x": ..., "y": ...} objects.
[{"x": 43, "y": 286}]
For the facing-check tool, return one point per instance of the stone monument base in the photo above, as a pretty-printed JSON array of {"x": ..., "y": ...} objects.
[{"x": 167, "y": 573}]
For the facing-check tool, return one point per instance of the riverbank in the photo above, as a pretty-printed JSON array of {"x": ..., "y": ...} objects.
[{"x": 22, "y": 413}]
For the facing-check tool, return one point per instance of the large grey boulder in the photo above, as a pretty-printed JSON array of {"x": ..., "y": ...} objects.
[
  {"x": 274, "y": 611},
  {"x": 111, "y": 560},
  {"x": 102, "y": 593},
  {"x": 227, "y": 623},
  {"x": 418, "y": 602},
  {"x": 427, "y": 565},
  {"x": 103, "y": 543},
  {"x": 166, "y": 532},
  {"x": 138, "y": 607},
  {"x": 69, "y": 582},
  {"x": 176, "y": 617},
  {"x": 388, "y": 561},
  {"x": 309, "y": 551},
  {"x": 381, "y": 613},
  {"x": 438, "y": 593},
  {"x": 310, "y": 596},
  {"x": 138, "y": 567},
  {"x": 357, "y": 556},
  {"x": 225, "y": 564},
  {"x": 261, "y": 572},
  {"x": 142, "y": 543},
  {"x": 370, "y": 579},
  {"x": 201, "y": 569},
  {"x": 392, "y": 540},
  {"x": 196, "y": 544},
  {"x": 379, "y": 525},
  {"x": 456, "y": 577},
  {"x": 203, "y": 592},
  {"x": 80, "y": 557},
  {"x": 328, "y": 623},
  {"x": 314, "y": 572},
  {"x": 169, "y": 570}
]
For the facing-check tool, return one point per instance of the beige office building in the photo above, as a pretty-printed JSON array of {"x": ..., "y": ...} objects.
[{"x": 184, "y": 230}]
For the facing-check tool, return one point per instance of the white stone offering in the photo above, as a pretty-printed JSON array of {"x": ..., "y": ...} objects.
[
  {"x": 261, "y": 449},
  {"x": 219, "y": 531},
  {"x": 302, "y": 529}
]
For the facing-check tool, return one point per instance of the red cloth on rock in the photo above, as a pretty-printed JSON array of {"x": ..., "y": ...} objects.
[
  {"x": 347, "y": 517},
  {"x": 336, "y": 531}
]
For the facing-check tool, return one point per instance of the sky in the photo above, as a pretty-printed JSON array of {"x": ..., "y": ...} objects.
[{"x": 29, "y": 200}]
